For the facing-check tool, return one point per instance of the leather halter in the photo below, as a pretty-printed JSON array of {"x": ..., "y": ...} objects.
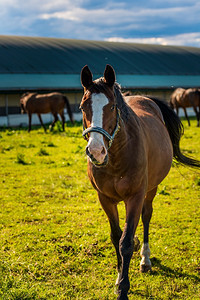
[{"x": 103, "y": 131}]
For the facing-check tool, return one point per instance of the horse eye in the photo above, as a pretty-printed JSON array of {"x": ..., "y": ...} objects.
[
  {"x": 81, "y": 107},
  {"x": 112, "y": 107}
]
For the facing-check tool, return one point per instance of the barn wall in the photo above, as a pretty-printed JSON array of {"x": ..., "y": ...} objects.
[{"x": 10, "y": 113}]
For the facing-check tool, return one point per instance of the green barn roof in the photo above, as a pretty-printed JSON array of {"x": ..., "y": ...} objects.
[{"x": 32, "y": 62}]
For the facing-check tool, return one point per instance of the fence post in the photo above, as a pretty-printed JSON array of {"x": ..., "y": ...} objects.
[{"x": 6, "y": 105}]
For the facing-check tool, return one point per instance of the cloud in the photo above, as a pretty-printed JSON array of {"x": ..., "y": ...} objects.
[
  {"x": 154, "y": 21},
  {"x": 189, "y": 39},
  {"x": 127, "y": 20},
  {"x": 113, "y": 16}
]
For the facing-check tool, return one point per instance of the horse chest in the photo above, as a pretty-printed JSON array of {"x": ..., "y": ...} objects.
[
  {"x": 123, "y": 186},
  {"x": 115, "y": 187}
]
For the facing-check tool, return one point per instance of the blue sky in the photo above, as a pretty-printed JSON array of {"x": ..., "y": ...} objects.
[{"x": 169, "y": 22}]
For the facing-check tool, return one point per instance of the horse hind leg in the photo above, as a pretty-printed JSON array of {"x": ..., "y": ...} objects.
[
  {"x": 197, "y": 114},
  {"x": 186, "y": 115},
  {"x": 145, "y": 264},
  {"x": 54, "y": 121},
  {"x": 63, "y": 120}
]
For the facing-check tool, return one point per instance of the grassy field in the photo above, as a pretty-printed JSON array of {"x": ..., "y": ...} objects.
[{"x": 55, "y": 238}]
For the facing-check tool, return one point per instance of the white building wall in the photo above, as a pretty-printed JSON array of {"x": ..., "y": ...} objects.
[{"x": 22, "y": 120}]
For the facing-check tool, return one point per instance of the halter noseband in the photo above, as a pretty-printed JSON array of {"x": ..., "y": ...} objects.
[{"x": 103, "y": 131}]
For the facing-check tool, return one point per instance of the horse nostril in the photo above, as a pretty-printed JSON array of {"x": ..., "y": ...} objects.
[
  {"x": 87, "y": 150},
  {"x": 103, "y": 151}
]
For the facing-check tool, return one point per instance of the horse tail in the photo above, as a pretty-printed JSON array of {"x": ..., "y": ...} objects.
[
  {"x": 172, "y": 101},
  {"x": 69, "y": 109},
  {"x": 175, "y": 130}
]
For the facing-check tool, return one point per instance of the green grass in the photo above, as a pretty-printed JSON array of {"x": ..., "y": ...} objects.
[{"x": 55, "y": 238}]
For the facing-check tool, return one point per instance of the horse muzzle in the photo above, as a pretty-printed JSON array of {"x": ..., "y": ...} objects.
[{"x": 97, "y": 162}]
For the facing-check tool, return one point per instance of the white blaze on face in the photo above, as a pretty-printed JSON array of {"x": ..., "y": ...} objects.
[{"x": 96, "y": 144}]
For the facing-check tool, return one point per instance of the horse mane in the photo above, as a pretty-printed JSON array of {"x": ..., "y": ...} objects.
[{"x": 121, "y": 104}]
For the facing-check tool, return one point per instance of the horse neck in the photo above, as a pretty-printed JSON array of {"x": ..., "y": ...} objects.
[
  {"x": 126, "y": 137},
  {"x": 128, "y": 122}
]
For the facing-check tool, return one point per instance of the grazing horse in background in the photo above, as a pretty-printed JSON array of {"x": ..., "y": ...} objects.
[
  {"x": 182, "y": 98},
  {"x": 192, "y": 97},
  {"x": 43, "y": 104},
  {"x": 131, "y": 144}
]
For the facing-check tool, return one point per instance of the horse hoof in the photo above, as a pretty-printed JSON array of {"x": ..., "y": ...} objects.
[{"x": 145, "y": 268}]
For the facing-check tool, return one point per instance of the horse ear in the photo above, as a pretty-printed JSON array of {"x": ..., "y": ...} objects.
[
  {"x": 109, "y": 75},
  {"x": 86, "y": 77}
]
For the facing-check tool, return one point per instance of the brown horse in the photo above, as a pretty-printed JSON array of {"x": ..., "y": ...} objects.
[
  {"x": 182, "y": 98},
  {"x": 43, "y": 104},
  {"x": 131, "y": 143}
]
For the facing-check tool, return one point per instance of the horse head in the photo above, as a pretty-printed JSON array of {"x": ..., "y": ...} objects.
[
  {"x": 23, "y": 100},
  {"x": 100, "y": 114}
]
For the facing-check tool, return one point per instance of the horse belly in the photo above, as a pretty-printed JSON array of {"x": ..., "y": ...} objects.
[
  {"x": 43, "y": 110},
  {"x": 186, "y": 103},
  {"x": 56, "y": 106},
  {"x": 38, "y": 107},
  {"x": 160, "y": 161}
]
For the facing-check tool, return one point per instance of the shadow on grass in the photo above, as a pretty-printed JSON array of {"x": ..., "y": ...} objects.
[
  {"x": 165, "y": 272},
  {"x": 57, "y": 128},
  {"x": 169, "y": 272}
]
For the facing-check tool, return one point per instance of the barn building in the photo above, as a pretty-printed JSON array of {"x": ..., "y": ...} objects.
[{"x": 51, "y": 64}]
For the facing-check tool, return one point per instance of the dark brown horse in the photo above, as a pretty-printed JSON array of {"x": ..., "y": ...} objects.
[
  {"x": 182, "y": 98},
  {"x": 131, "y": 144},
  {"x": 43, "y": 104}
]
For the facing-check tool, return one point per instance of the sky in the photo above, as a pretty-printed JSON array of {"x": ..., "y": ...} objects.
[{"x": 169, "y": 22}]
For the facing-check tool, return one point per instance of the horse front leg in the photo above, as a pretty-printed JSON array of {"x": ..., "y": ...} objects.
[
  {"x": 133, "y": 211},
  {"x": 40, "y": 118},
  {"x": 112, "y": 213},
  {"x": 29, "y": 123},
  {"x": 145, "y": 264},
  {"x": 186, "y": 115}
]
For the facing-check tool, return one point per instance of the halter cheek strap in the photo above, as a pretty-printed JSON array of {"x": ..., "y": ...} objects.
[{"x": 103, "y": 131}]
